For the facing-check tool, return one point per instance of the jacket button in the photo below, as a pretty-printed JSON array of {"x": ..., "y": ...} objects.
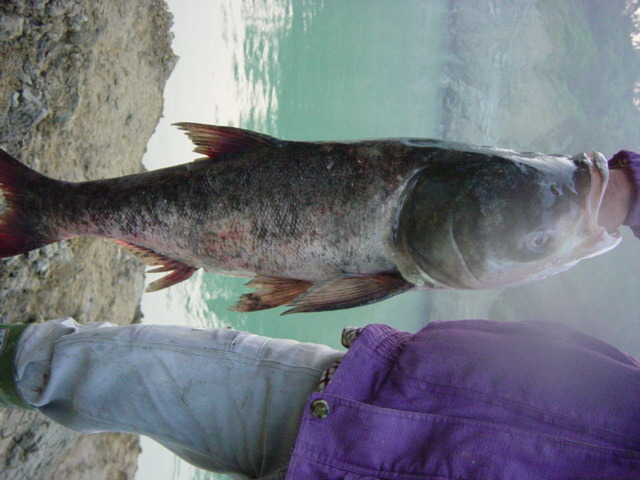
[{"x": 319, "y": 408}]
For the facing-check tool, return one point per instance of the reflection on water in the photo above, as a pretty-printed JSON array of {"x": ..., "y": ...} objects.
[
  {"x": 551, "y": 75},
  {"x": 253, "y": 31}
]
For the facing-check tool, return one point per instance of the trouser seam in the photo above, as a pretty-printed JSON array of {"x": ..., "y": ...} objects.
[{"x": 199, "y": 351}]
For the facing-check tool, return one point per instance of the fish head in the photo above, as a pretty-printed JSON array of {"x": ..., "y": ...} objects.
[{"x": 490, "y": 218}]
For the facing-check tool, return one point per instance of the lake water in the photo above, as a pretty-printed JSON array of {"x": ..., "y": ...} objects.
[
  {"x": 297, "y": 70},
  {"x": 495, "y": 74}
]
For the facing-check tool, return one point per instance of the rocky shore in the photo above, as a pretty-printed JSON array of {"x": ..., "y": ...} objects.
[{"x": 81, "y": 87}]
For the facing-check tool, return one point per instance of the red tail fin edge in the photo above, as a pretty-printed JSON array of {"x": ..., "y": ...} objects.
[{"x": 18, "y": 234}]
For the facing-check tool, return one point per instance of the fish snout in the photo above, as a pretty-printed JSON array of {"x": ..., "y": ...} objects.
[{"x": 596, "y": 239}]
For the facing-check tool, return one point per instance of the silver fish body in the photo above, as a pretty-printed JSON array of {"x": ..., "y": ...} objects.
[{"x": 325, "y": 225}]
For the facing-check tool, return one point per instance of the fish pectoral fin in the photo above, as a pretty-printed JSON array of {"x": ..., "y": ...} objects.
[
  {"x": 213, "y": 141},
  {"x": 350, "y": 291},
  {"x": 270, "y": 292},
  {"x": 179, "y": 271}
]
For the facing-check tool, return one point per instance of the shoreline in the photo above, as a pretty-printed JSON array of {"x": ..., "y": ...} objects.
[{"x": 75, "y": 105}]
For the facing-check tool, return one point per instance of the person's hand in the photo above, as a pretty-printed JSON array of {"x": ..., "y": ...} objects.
[{"x": 618, "y": 199}]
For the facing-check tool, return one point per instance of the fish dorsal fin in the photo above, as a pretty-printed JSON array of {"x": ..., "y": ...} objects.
[
  {"x": 213, "y": 141},
  {"x": 270, "y": 292},
  {"x": 179, "y": 271},
  {"x": 349, "y": 291}
]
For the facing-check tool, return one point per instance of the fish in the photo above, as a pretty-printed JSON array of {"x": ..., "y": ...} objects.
[{"x": 328, "y": 225}]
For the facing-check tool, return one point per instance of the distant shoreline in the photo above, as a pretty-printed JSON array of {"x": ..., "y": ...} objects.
[{"x": 513, "y": 87}]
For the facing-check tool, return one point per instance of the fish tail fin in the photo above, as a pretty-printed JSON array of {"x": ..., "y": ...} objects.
[{"x": 18, "y": 230}]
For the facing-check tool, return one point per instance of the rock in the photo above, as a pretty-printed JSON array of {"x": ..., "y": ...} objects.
[
  {"x": 75, "y": 105},
  {"x": 10, "y": 27}
]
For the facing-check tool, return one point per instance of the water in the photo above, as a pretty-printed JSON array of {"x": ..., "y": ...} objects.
[
  {"x": 551, "y": 75},
  {"x": 297, "y": 70}
]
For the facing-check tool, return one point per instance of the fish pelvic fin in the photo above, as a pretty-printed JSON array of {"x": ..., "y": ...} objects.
[
  {"x": 20, "y": 230},
  {"x": 179, "y": 271},
  {"x": 270, "y": 292},
  {"x": 349, "y": 291},
  {"x": 214, "y": 141},
  {"x": 179, "y": 274}
]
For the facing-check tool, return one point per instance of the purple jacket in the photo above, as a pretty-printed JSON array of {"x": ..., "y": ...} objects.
[{"x": 474, "y": 399}]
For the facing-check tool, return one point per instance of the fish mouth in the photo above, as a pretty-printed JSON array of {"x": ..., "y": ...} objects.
[
  {"x": 599, "y": 179},
  {"x": 598, "y": 239}
]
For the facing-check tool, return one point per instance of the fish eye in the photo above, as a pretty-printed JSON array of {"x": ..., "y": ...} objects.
[{"x": 536, "y": 241}]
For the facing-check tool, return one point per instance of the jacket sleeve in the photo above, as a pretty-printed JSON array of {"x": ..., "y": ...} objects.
[{"x": 631, "y": 161}]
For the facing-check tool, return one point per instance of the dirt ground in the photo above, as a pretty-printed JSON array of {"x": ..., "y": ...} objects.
[{"x": 81, "y": 86}]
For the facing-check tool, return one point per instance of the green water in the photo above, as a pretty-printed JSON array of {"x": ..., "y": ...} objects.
[
  {"x": 347, "y": 72},
  {"x": 363, "y": 72},
  {"x": 298, "y": 70},
  {"x": 338, "y": 70}
]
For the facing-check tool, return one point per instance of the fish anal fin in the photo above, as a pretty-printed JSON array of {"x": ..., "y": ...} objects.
[
  {"x": 213, "y": 141},
  {"x": 350, "y": 291},
  {"x": 179, "y": 271},
  {"x": 270, "y": 292}
]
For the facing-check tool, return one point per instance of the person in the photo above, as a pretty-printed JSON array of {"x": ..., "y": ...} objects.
[
  {"x": 620, "y": 205},
  {"x": 463, "y": 399}
]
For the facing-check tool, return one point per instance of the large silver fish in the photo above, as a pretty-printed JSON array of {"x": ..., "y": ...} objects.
[{"x": 328, "y": 225}]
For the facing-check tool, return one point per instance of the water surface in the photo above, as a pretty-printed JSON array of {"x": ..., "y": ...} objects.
[
  {"x": 297, "y": 70},
  {"x": 553, "y": 76}
]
